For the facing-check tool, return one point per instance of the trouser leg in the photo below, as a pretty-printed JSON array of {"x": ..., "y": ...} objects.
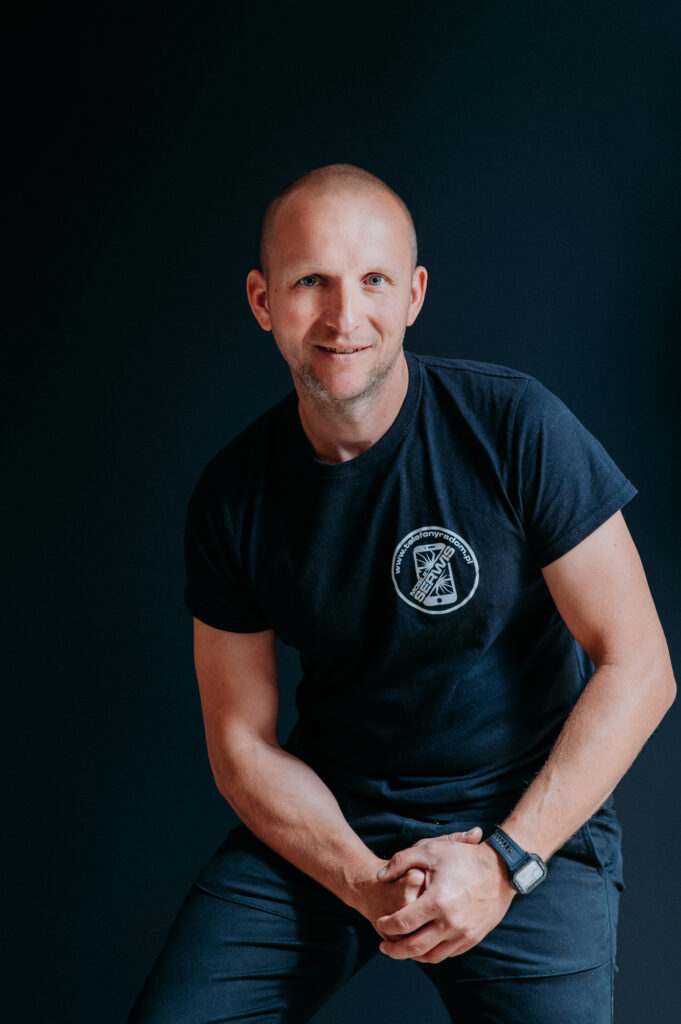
[
  {"x": 270, "y": 948},
  {"x": 584, "y": 997}
]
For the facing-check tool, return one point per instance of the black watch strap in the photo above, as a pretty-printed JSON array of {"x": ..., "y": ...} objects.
[
  {"x": 525, "y": 870},
  {"x": 513, "y": 854}
]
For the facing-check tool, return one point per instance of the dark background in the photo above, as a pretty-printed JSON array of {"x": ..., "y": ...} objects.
[{"x": 537, "y": 145}]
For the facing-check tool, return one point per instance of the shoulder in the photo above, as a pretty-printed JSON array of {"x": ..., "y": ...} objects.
[
  {"x": 491, "y": 383},
  {"x": 469, "y": 378},
  {"x": 251, "y": 449},
  {"x": 484, "y": 395},
  {"x": 470, "y": 369}
]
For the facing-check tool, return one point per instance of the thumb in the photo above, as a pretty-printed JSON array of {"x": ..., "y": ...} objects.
[{"x": 473, "y": 835}]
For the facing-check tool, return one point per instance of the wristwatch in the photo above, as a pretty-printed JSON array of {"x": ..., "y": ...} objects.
[{"x": 525, "y": 870}]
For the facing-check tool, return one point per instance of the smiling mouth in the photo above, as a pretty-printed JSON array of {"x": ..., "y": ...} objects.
[{"x": 341, "y": 351}]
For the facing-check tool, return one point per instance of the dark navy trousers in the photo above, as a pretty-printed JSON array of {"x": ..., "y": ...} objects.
[{"x": 256, "y": 940}]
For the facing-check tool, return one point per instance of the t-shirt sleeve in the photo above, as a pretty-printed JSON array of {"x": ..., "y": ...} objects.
[
  {"x": 566, "y": 485},
  {"x": 217, "y": 591}
]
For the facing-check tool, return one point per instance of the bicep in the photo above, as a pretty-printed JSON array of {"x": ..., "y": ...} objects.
[
  {"x": 601, "y": 592},
  {"x": 238, "y": 686}
]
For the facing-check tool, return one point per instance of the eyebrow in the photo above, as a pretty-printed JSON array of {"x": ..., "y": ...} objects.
[{"x": 311, "y": 267}]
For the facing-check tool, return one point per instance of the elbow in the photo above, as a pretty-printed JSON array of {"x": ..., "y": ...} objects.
[
  {"x": 656, "y": 667},
  {"x": 662, "y": 687},
  {"x": 221, "y": 775},
  {"x": 668, "y": 690},
  {"x": 227, "y": 771},
  {"x": 223, "y": 765}
]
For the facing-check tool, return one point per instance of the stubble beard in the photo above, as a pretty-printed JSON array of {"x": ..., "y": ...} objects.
[{"x": 314, "y": 389}]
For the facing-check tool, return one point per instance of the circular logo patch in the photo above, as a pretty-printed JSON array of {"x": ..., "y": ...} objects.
[{"x": 435, "y": 570}]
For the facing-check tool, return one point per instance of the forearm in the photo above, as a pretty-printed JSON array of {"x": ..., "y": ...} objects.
[
  {"x": 607, "y": 728},
  {"x": 288, "y": 807}
]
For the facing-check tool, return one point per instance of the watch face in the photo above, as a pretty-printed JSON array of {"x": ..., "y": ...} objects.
[{"x": 529, "y": 875}]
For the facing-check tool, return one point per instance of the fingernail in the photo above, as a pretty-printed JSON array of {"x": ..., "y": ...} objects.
[{"x": 383, "y": 872}]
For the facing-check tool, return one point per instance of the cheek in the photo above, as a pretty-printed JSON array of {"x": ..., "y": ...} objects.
[
  {"x": 295, "y": 314},
  {"x": 287, "y": 322},
  {"x": 393, "y": 323}
]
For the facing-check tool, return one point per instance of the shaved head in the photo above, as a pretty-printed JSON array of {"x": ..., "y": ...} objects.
[{"x": 333, "y": 178}]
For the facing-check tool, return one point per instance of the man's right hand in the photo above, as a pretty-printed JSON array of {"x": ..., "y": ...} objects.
[{"x": 374, "y": 897}]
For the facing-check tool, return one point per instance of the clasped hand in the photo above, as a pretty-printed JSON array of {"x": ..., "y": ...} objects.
[{"x": 464, "y": 894}]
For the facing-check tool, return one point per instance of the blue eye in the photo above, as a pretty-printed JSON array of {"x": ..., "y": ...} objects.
[
  {"x": 373, "y": 277},
  {"x": 308, "y": 277}
]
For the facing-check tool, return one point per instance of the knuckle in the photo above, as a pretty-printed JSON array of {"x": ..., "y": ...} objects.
[
  {"x": 453, "y": 918},
  {"x": 413, "y": 874},
  {"x": 471, "y": 935}
]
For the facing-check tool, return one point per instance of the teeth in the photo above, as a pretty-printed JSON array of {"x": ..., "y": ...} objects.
[{"x": 340, "y": 350}]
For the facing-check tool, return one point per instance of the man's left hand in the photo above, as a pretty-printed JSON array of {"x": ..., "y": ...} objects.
[{"x": 467, "y": 893}]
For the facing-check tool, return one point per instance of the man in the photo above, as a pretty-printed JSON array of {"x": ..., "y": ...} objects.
[{"x": 443, "y": 542}]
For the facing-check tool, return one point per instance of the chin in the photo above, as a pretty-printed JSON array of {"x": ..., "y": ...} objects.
[
  {"x": 333, "y": 386},
  {"x": 353, "y": 392}
]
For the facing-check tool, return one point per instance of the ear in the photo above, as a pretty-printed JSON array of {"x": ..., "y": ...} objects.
[
  {"x": 418, "y": 294},
  {"x": 256, "y": 289}
]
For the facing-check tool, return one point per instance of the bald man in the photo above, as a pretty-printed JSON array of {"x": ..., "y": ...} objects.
[{"x": 443, "y": 543}]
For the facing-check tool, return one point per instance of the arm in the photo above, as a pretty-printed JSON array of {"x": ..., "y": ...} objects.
[
  {"x": 276, "y": 795},
  {"x": 601, "y": 592}
]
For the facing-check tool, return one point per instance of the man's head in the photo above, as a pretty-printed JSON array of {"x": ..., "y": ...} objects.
[
  {"x": 329, "y": 179},
  {"x": 339, "y": 282}
]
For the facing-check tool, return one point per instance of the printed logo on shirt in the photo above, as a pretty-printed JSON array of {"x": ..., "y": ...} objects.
[{"x": 435, "y": 570}]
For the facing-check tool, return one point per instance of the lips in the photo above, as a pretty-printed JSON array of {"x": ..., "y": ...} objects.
[{"x": 341, "y": 351}]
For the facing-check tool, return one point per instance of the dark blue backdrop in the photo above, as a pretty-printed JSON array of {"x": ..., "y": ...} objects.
[{"x": 538, "y": 147}]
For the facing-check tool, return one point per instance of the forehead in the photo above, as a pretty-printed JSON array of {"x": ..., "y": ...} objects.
[{"x": 339, "y": 227}]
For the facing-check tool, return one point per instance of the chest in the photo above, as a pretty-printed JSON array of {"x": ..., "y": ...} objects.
[{"x": 426, "y": 553}]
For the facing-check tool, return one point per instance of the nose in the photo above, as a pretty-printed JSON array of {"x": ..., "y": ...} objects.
[{"x": 341, "y": 311}]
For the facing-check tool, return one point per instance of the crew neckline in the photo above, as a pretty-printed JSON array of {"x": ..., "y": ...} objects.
[{"x": 378, "y": 452}]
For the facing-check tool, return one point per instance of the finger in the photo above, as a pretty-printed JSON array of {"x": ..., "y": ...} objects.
[
  {"x": 412, "y": 857},
  {"x": 438, "y": 953},
  {"x": 414, "y": 874},
  {"x": 415, "y": 880},
  {"x": 413, "y": 946},
  {"x": 407, "y": 919},
  {"x": 473, "y": 835},
  {"x": 444, "y": 950}
]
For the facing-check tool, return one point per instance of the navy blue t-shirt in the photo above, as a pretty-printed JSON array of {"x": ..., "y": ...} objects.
[{"x": 436, "y": 670}]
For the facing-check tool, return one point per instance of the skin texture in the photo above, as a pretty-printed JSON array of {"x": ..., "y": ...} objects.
[{"x": 340, "y": 276}]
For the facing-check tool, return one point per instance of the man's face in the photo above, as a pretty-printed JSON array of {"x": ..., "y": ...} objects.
[{"x": 340, "y": 293}]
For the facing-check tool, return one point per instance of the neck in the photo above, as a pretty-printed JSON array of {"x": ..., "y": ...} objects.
[{"x": 342, "y": 430}]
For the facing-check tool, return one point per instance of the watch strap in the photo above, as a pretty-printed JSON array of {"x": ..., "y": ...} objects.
[{"x": 513, "y": 854}]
